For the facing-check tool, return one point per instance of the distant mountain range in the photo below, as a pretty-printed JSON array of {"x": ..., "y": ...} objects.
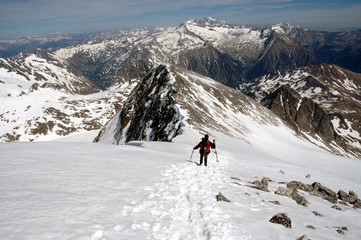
[{"x": 315, "y": 73}]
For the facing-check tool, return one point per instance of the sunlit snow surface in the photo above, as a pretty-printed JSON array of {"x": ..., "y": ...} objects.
[{"x": 152, "y": 190}]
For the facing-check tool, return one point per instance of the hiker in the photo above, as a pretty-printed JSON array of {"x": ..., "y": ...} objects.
[{"x": 205, "y": 148}]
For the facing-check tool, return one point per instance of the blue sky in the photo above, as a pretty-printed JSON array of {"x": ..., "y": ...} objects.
[{"x": 26, "y": 17}]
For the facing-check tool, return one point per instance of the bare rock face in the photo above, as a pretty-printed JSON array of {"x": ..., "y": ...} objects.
[
  {"x": 300, "y": 185},
  {"x": 303, "y": 114},
  {"x": 350, "y": 197},
  {"x": 220, "y": 197},
  {"x": 308, "y": 104},
  {"x": 317, "y": 214},
  {"x": 303, "y": 237},
  {"x": 316, "y": 189},
  {"x": 261, "y": 185},
  {"x": 292, "y": 193},
  {"x": 150, "y": 112},
  {"x": 324, "y": 192},
  {"x": 282, "y": 218}
]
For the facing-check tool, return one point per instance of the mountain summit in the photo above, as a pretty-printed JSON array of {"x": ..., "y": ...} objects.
[
  {"x": 170, "y": 98},
  {"x": 240, "y": 57}
]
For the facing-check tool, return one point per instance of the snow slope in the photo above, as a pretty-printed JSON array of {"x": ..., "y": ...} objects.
[
  {"x": 42, "y": 108},
  {"x": 151, "y": 190}
]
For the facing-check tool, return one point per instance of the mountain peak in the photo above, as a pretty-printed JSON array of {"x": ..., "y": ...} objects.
[
  {"x": 207, "y": 22},
  {"x": 284, "y": 28},
  {"x": 169, "y": 99}
]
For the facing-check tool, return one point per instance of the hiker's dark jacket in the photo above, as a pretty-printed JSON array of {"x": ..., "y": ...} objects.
[{"x": 205, "y": 145}]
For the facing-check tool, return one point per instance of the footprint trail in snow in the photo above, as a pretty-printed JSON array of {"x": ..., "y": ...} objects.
[{"x": 182, "y": 205}]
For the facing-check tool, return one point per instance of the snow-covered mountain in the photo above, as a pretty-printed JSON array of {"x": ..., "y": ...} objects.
[
  {"x": 169, "y": 98},
  {"x": 238, "y": 56},
  {"x": 128, "y": 54},
  {"x": 324, "y": 102},
  {"x": 153, "y": 190},
  {"x": 42, "y": 99},
  {"x": 12, "y": 47},
  {"x": 263, "y": 173}
]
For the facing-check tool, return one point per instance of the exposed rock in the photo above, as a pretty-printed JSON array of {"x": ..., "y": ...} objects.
[
  {"x": 275, "y": 202},
  {"x": 304, "y": 237},
  {"x": 350, "y": 197},
  {"x": 324, "y": 192},
  {"x": 299, "y": 185},
  {"x": 310, "y": 227},
  {"x": 282, "y": 218},
  {"x": 336, "y": 207},
  {"x": 210, "y": 62},
  {"x": 343, "y": 203},
  {"x": 150, "y": 112},
  {"x": 292, "y": 193},
  {"x": 300, "y": 199},
  {"x": 220, "y": 197},
  {"x": 308, "y": 175},
  {"x": 235, "y": 178},
  {"x": 280, "y": 51},
  {"x": 342, "y": 195},
  {"x": 357, "y": 204},
  {"x": 284, "y": 191},
  {"x": 261, "y": 185},
  {"x": 317, "y": 214},
  {"x": 303, "y": 114},
  {"x": 353, "y": 197},
  {"x": 341, "y": 230}
]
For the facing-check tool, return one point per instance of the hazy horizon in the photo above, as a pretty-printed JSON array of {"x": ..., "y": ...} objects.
[{"x": 20, "y": 18}]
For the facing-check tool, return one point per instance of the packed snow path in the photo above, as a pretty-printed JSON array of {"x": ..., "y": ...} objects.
[
  {"x": 55, "y": 190},
  {"x": 183, "y": 204}
]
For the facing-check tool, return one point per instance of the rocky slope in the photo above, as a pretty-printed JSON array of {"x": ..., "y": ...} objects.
[
  {"x": 322, "y": 100},
  {"x": 42, "y": 99},
  {"x": 231, "y": 54},
  {"x": 170, "y": 98},
  {"x": 256, "y": 60}
]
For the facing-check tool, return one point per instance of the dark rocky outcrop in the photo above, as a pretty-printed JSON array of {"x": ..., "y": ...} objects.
[
  {"x": 279, "y": 52},
  {"x": 341, "y": 230},
  {"x": 292, "y": 193},
  {"x": 317, "y": 214},
  {"x": 317, "y": 189},
  {"x": 303, "y": 237},
  {"x": 324, "y": 192},
  {"x": 150, "y": 112},
  {"x": 321, "y": 101},
  {"x": 282, "y": 218},
  {"x": 210, "y": 62},
  {"x": 221, "y": 197},
  {"x": 260, "y": 185},
  {"x": 302, "y": 114},
  {"x": 350, "y": 197}
]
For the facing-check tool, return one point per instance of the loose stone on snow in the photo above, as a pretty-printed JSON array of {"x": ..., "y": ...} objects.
[{"x": 282, "y": 218}]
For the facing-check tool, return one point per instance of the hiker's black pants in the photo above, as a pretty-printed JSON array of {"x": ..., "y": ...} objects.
[{"x": 203, "y": 156}]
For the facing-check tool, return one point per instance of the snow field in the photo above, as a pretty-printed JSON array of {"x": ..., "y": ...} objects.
[
  {"x": 183, "y": 204},
  {"x": 152, "y": 190}
]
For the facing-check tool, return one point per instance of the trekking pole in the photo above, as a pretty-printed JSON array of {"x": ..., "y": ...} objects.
[
  {"x": 192, "y": 154},
  {"x": 215, "y": 151}
]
